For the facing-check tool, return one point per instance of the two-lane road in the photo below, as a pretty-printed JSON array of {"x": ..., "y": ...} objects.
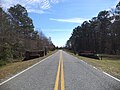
[{"x": 61, "y": 71}]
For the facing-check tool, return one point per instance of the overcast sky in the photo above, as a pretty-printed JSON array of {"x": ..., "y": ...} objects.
[{"x": 57, "y": 18}]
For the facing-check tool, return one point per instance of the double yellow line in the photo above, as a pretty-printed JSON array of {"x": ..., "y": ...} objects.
[{"x": 60, "y": 70}]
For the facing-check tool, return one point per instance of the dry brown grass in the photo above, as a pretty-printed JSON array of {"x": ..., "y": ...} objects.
[
  {"x": 13, "y": 68},
  {"x": 108, "y": 65}
]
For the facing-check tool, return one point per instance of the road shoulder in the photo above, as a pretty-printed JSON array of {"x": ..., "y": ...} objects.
[
  {"x": 12, "y": 69},
  {"x": 109, "y": 67}
]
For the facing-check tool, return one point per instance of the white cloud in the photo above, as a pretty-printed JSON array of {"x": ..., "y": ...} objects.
[
  {"x": 36, "y": 6},
  {"x": 45, "y": 4},
  {"x": 70, "y": 20},
  {"x": 54, "y": 1},
  {"x": 36, "y": 11}
]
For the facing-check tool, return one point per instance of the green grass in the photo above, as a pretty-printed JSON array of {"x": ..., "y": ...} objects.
[{"x": 107, "y": 64}]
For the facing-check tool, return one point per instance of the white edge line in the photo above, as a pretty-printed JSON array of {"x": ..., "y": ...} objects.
[
  {"x": 25, "y": 70},
  {"x": 104, "y": 72},
  {"x": 98, "y": 69},
  {"x": 111, "y": 76}
]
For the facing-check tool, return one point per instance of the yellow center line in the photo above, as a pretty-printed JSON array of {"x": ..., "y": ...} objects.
[
  {"x": 60, "y": 66},
  {"x": 62, "y": 74},
  {"x": 57, "y": 77}
]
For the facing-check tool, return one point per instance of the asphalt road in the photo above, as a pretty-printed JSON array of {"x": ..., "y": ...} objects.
[{"x": 61, "y": 71}]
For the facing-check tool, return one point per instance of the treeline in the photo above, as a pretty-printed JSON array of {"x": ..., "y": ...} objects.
[
  {"x": 101, "y": 34},
  {"x": 17, "y": 34}
]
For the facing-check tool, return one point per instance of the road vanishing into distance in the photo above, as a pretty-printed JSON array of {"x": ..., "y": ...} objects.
[{"x": 61, "y": 71}]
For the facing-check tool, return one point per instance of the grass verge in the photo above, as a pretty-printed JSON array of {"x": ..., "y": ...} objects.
[
  {"x": 10, "y": 69},
  {"x": 110, "y": 65}
]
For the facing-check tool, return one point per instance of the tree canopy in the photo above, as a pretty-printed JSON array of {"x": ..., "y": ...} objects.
[
  {"x": 101, "y": 34},
  {"x": 17, "y": 34}
]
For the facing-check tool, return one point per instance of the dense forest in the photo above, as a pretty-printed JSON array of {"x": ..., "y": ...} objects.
[
  {"x": 101, "y": 34},
  {"x": 17, "y": 34}
]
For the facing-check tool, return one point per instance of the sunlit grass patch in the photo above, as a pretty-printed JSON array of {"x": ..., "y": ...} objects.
[{"x": 109, "y": 65}]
